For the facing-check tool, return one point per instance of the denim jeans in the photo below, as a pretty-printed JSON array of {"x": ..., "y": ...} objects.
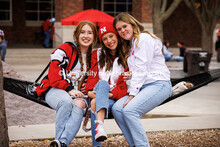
[
  {"x": 168, "y": 57},
  {"x": 178, "y": 58},
  {"x": 68, "y": 115},
  {"x": 129, "y": 117},
  {"x": 3, "y": 47},
  {"x": 102, "y": 101},
  {"x": 47, "y": 38}
]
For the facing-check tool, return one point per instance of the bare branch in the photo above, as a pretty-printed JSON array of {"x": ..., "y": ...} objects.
[
  {"x": 217, "y": 8},
  {"x": 192, "y": 6},
  {"x": 189, "y": 4},
  {"x": 164, "y": 5},
  {"x": 208, "y": 13},
  {"x": 171, "y": 9},
  {"x": 205, "y": 8}
]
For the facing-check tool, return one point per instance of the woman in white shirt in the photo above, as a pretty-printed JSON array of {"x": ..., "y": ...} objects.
[{"x": 149, "y": 84}]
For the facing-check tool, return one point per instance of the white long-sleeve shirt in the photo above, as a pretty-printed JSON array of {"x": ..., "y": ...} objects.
[{"x": 146, "y": 62}]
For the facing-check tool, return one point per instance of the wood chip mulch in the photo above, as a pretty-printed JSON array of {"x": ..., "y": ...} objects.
[{"x": 182, "y": 138}]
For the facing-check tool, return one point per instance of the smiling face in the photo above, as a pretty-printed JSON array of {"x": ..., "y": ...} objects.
[
  {"x": 86, "y": 36},
  {"x": 110, "y": 40},
  {"x": 125, "y": 30}
]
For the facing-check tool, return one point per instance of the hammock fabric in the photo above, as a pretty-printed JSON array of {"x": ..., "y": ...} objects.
[{"x": 19, "y": 87}]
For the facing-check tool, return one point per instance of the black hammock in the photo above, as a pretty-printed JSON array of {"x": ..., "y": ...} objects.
[{"x": 18, "y": 87}]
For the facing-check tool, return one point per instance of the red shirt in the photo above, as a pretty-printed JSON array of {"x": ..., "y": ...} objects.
[{"x": 46, "y": 24}]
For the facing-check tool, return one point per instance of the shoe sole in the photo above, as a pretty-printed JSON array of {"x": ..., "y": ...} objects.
[{"x": 100, "y": 138}]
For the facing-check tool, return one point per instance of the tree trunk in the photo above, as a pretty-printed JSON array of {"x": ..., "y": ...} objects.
[
  {"x": 206, "y": 39},
  {"x": 207, "y": 33},
  {"x": 157, "y": 25},
  {"x": 4, "y": 140},
  {"x": 208, "y": 14},
  {"x": 160, "y": 13},
  {"x": 158, "y": 28}
]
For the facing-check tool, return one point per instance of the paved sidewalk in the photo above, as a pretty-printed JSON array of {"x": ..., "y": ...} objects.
[
  {"x": 47, "y": 131},
  {"x": 196, "y": 110}
]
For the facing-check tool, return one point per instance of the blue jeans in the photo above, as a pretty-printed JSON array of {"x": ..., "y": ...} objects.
[
  {"x": 3, "y": 47},
  {"x": 129, "y": 117},
  {"x": 47, "y": 39},
  {"x": 68, "y": 115},
  {"x": 168, "y": 57},
  {"x": 178, "y": 58},
  {"x": 102, "y": 101}
]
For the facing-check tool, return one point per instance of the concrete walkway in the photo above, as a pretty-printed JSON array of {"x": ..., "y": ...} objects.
[{"x": 196, "y": 110}]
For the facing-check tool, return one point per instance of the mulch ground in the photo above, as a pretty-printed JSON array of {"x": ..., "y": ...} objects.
[{"x": 182, "y": 138}]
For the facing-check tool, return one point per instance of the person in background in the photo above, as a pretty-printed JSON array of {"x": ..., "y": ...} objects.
[
  {"x": 60, "y": 88},
  {"x": 182, "y": 48},
  {"x": 105, "y": 84},
  {"x": 167, "y": 54},
  {"x": 149, "y": 83},
  {"x": 52, "y": 32},
  {"x": 3, "y": 45},
  {"x": 217, "y": 45},
  {"x": 47, "y": 28}
]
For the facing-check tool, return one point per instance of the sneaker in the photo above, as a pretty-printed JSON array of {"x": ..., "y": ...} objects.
[
  {"x": 100, "y": 134},
  {"x": 63, "y": 144},
  {"x": 55, "y": 143}
]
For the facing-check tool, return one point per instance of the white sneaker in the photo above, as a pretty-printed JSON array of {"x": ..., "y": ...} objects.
[{"x": 100, "y": 134}]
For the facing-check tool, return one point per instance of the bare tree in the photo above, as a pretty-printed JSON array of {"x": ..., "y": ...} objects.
[
  {"x": 4, "y": 140},
  {"x": 208, "y": 14},
  {"x": 160, "y": 12}
]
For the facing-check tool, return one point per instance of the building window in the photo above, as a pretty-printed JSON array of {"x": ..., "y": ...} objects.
[
  {"x": 39, "y": 10},
  {"x": 114, "y": 7},
  {"x": 5, "y": 10}
]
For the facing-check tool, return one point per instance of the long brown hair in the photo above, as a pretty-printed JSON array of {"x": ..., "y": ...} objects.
[
  {"x": 107, "y": 58},
  {"x": 89, "y": 51},
  {"x": 137, "y": 26}
]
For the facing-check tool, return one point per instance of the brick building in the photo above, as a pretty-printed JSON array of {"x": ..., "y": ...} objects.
[{"x": 21, "y": 19}]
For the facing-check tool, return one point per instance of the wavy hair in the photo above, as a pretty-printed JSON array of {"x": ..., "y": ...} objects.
[
  {"x": 136, "y": 25},
  {"x": 76, "y": 34}
]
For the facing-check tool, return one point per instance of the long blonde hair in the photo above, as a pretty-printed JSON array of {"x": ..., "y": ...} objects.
[
  {"x": 76, "y": 34},
  {"x": 136, "y": 25}
]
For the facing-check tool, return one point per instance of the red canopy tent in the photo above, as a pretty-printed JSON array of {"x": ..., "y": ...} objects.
[{"x": 95, "y": 16}]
